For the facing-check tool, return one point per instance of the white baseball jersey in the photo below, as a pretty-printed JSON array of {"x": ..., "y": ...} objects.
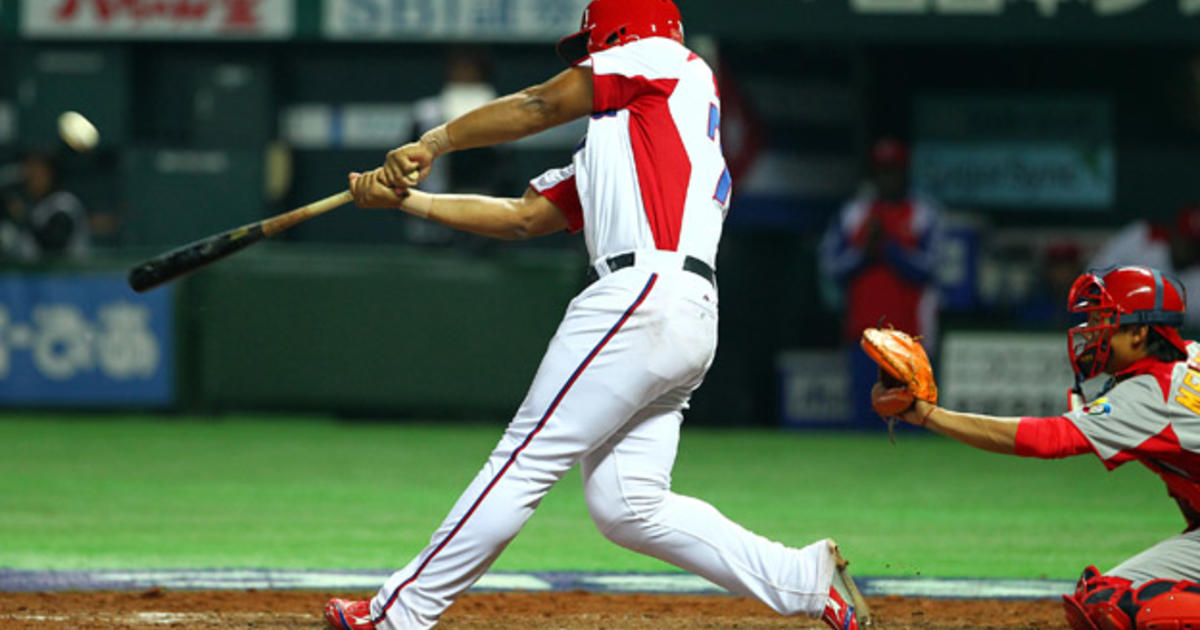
[
  {"x": 650, "y": 173},
  {"x": 610, "y": 392}
]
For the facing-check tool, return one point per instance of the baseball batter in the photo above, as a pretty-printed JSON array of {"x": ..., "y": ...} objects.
[
  {"x": 1149, "y": 412},
  {"x": 649, "y": 189}
]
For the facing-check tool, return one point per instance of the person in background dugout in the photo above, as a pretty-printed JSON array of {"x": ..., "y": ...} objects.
[
  {"x": 467, "y": 86},
  {"x": 1058, "y": 268},
  {"x": 1170, "y": 247},
  {"x": 42, "y": 222},
  {"x": 1148, "y": 411},
  {"x": 880, "y": 251}
]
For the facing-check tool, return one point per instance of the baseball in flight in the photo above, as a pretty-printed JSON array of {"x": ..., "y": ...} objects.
[{"x": 77, "y": 131}]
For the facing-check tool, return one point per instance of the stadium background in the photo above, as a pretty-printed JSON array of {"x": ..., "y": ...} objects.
[{"x": 362, "y": 315}]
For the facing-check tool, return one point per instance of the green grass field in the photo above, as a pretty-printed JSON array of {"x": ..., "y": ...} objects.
[{"x": 87, "y": 492}]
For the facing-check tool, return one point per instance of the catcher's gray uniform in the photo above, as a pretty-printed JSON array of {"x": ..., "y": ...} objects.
[{"x": 1152, "y": 415}]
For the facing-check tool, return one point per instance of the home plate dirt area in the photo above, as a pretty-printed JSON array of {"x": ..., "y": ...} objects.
[{"x": 268, "y": 610}]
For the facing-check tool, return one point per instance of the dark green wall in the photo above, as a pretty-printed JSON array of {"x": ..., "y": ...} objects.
[
  {"x": 411, "y": 332},
  {"x": 386, "y": 332},
  {"x": 425, "y": 331},
  {"x": 404, "y": 332}
]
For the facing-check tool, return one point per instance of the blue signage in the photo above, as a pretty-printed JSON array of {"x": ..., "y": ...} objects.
[
  {"x": 958, "y": 269},
  {"x": 84, "y": 340}
]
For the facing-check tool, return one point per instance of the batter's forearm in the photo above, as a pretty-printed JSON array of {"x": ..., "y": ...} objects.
[
  {"x": 486, "y": 216},
  {"x": 990, "y": 433},
  {"x": 503, "y": 120}
]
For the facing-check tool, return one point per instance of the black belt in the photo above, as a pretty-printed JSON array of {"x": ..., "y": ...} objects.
[{"x": 621, "y": 261}]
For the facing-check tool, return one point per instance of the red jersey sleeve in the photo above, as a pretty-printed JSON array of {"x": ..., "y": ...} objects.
[
  {"x": 1050, "y": 438},
  {"x": 620, "y": 77},
  {"x": 558, "y": 185}
]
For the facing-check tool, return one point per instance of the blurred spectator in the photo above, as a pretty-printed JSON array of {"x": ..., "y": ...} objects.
[
  {"x": 1171, "y": 248},
  {"x": 467, "y": 87},
  {"x": 40, "y": 220},
  {"x": 1061, "y": 263},
  {"x": 880, "y": 251}
]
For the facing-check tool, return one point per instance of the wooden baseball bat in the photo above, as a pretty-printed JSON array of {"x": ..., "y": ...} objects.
[{"x": 183, "y": 260}]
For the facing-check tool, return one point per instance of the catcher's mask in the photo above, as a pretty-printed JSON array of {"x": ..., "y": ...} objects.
[
  {"x": 610, "y": 23},
  {"x": 1121, "y": 297}
]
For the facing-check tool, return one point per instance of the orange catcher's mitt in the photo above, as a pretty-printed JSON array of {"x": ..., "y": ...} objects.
[{"x": 904, "y": 371}]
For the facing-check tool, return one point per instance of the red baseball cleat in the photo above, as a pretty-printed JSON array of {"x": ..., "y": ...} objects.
[
  {"x": 846, "y": 609},
  {"x": 344, "y": 614},
  {"x": 839, "y": 614}
]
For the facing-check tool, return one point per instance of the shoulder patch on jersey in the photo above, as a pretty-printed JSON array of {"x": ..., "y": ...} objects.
[{"x": 1098, "y": 407}]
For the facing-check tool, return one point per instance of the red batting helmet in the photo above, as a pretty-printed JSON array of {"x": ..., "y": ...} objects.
[
  {"x": 1120, "y": 297},
  {"x": 609, "y": 23}
]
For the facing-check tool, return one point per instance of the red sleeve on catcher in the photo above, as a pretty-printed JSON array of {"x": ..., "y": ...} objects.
[
  {"x": 558, "y": 185},
  {"x": 1050, "y": 438}
]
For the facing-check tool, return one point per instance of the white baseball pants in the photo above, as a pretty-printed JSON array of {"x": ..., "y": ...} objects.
[{"x": 609, "y": 394}]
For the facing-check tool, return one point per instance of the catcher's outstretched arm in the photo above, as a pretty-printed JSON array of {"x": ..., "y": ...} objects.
[{"x": 990, "y": 433}]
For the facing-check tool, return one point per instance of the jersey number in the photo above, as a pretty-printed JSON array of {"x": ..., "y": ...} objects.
[{"x": 725, "y": 182}]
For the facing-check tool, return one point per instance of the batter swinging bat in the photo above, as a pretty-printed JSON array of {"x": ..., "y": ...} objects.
[{"x": 190, "y": 257}]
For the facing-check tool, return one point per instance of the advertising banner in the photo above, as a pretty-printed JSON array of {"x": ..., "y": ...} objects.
[
  {"x": 1005, "y": 373},
  {"x": 969, "y": 21},
  {"x": 1042, "y": 8},
  {"x": 497, "y": 20},
  {"x": 84, "y": 340},
  {"x": 1027, "y": 152},
  {"x": 1032, "y": 175},
  {"x": 150, "y": 19},
  {"x": 349, "y": 125},
  {"x": 814, "y": 388}
]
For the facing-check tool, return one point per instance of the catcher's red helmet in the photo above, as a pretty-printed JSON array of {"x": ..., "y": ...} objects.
[
  {"x": 609, "y": 23},
  {"x": 1119, "y": 297}
]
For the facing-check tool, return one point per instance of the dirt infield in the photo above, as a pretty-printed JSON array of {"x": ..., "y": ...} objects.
[{"x": 270, "y": 610}]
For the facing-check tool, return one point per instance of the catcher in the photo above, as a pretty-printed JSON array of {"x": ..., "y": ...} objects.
[{"x": 1149, "y": 411}]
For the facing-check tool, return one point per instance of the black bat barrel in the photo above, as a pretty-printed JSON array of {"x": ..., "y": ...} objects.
[{"x": 190, "y": 257}]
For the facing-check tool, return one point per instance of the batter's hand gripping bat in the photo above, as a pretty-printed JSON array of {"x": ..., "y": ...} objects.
[{"x": 190, "y": 257}]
